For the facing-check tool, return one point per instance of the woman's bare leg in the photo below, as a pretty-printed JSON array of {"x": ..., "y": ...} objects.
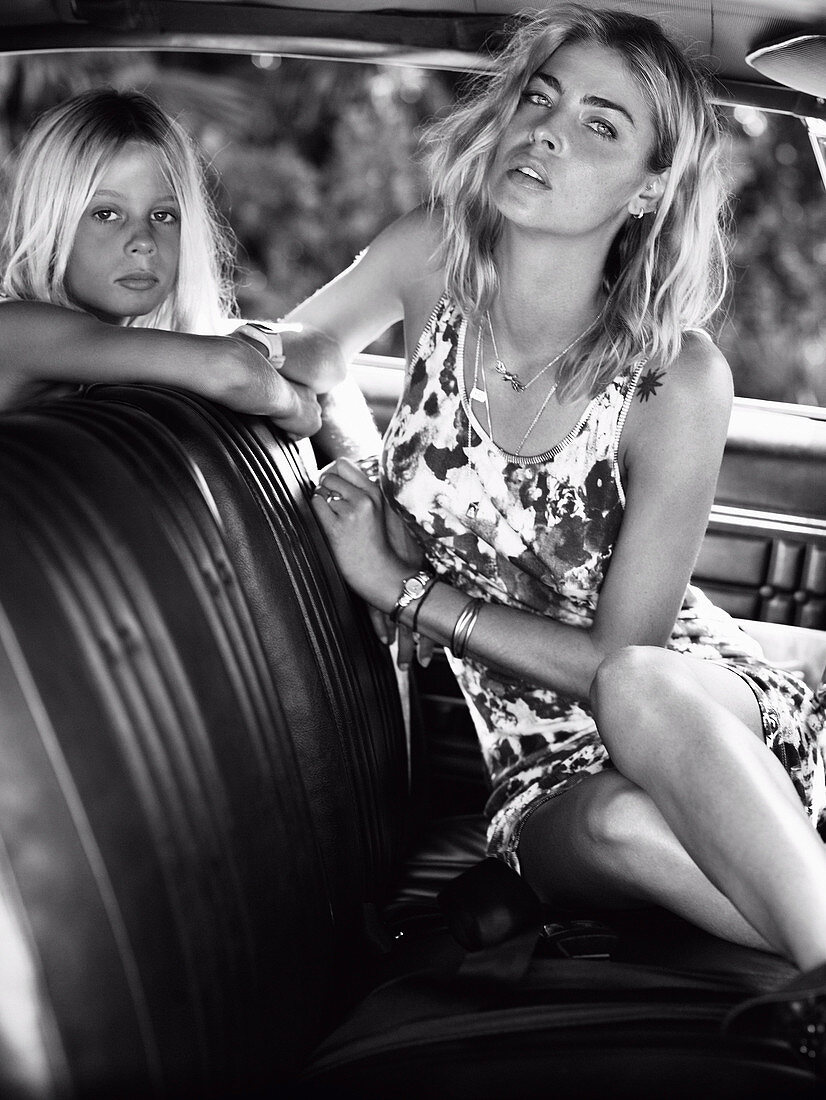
[
  {"x": 605, "y": 843},
  {"x": 683, "y": 732}
]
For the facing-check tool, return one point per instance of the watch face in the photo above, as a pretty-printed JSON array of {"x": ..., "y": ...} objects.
[{"x": 414, "y": 587}]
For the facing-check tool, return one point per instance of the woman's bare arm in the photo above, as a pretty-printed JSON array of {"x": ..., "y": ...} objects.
[
  {"x": 385, "y": 284},
  {"x": 674, "y": 444}
]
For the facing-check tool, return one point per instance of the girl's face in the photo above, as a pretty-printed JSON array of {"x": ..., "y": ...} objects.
[
  {"x": 573, "y": 157},
  {"x": 124, "y": 259}
]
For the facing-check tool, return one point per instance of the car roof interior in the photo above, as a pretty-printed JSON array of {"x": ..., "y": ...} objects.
[{"x": 765, "y": 53}]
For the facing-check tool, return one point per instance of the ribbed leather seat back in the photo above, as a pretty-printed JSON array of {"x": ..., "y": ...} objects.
[
  {"x": 177, "y": 689},
  {"x": 321, "y": 656}
]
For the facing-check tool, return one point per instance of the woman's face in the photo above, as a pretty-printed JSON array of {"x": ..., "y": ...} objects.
[
  {"x": 573, "y": 157},
  {"x": 124, "y": 259}
]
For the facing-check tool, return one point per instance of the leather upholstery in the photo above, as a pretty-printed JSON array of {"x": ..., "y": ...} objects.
[
  {"x": 218, "y": 862},
  {"x": 204, "y": 767}
]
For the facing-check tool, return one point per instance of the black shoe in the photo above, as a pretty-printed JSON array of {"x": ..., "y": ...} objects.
[{"x": 795, "y": 1013}]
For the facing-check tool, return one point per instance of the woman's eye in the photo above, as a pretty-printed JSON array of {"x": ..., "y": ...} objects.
[
  {"x": 537, "y": 98},
  {"x": 165, "y": 217},
  {"x": 602, "y": 128},
  {"x": 104, "y": 215}
]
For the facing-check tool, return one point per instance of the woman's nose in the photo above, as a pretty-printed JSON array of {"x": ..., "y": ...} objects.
[{"x": 547, "y": 133}]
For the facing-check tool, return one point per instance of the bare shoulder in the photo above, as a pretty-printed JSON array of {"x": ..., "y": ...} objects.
[
  {"x": 36, "y": 338},
  {"x": 408, "y": 255},
  {"x": 420, "y": 229},
  {"x": 410, "y": 245},
  {"x": 13, "y": 311},
  {"x": 689, "y": 400},
  {"x": 29, "y": 328},
  {"x": 700, "y": 369}
]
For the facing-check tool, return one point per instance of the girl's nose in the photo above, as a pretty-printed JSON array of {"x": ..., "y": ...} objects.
[{"x": 141, "y": 243}]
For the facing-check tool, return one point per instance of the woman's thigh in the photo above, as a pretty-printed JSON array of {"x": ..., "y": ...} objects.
[
  {"x": 652, "y": 681},
  {"x": 585, "y": 846}
]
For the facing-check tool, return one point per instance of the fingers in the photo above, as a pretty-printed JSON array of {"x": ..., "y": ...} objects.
[
  {"x": 424, "y": 649},
  {"x": 328, "y": 501},
  {"x": 383, "y": 625},
  {"x": 348, "y": 471},
  {"x": 295, "y": 408},
  {"x": 413, "y": 645},
  {"x": 406, "y": 647},
  {"x": 410, "y": 645},
  {"x": 337, "y": 490}
]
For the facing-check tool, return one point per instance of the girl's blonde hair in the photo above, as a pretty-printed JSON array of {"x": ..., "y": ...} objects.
[
  {"x": 666, "y": 272},
  {"x": 60, "y": 166}
]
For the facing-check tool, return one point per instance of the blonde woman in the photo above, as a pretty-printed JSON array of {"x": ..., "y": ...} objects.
[
  {"x": 115, "y": 270},
  {"x": 553, "y": 460}
]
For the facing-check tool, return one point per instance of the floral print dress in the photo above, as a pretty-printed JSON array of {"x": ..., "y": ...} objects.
[{"x": 536, "y": 533}]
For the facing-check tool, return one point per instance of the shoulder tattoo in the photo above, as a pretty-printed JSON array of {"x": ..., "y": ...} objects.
[{"x": 649, "y": 383}]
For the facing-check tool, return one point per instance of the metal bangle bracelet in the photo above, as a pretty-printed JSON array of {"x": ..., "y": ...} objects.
[
  {"x": 463, "y": 627},
  {"x": 465, "y": 641}
]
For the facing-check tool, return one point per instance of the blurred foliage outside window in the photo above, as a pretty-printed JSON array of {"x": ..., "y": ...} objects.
[{"x": 311, "y": 159}]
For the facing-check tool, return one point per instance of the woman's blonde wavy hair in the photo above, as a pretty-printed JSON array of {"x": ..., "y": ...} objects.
[
  {"x": 666, "y": 272},
  {"x": 59, "y": 168}
]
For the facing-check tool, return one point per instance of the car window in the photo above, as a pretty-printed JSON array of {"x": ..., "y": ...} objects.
[
  {"x": 312, "y": 158},
  {"x": 775, "y": 331}
]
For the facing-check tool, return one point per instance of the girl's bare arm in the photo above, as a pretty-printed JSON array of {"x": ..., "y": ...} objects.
[{"x": 43, "y": 343}]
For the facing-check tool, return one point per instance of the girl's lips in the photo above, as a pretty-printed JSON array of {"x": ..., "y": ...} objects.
[{"x": 138, "y": 281}]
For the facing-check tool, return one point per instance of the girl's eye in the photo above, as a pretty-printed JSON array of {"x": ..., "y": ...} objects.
[
  {"x": 602, "y": 128},
  {"x": 165, "y": 217},
  {"x": 104, "y": 215}
]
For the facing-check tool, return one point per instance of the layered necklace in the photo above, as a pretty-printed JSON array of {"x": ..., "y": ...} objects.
[{"x": 481, "y": 394}]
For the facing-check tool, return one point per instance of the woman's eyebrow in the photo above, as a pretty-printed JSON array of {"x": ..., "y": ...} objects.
[{"x": 590, "y": 100}]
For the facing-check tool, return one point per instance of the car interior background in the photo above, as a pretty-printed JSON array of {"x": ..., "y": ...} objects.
[{"x": 225, "y": 818}]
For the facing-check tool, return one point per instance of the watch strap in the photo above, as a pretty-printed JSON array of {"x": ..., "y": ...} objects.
[{"x": 407, "y": 596}]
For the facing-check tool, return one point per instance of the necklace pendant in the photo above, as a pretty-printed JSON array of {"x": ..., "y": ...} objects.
[
  {"x": 478, "y": 395},
  {"x": 509, "y": 376}
]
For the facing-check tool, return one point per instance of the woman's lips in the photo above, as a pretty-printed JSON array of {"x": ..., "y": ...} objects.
[{"x": 527, "y": 173}]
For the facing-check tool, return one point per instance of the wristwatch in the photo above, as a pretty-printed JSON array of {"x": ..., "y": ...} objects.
[
  {"x": 413, "y": 588},
  {"x": 266, "y": 335}
]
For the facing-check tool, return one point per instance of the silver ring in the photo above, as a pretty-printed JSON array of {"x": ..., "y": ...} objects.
[{"x": 328, "y": 494}]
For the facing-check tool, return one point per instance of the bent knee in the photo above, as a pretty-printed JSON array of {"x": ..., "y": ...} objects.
[
  {"x": 614, "y": 824},
  {"x": 635, "y": 695},
  {"x": 624, "y": 678}
]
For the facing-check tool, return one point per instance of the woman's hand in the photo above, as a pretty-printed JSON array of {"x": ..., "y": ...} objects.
[
  {"x": 410, "y": 552},
  {"x": 251, "y": 382},
  {"x": 297, "y": 410},
  {"x": 350, "y": 509},
  {"x": 371, "y": 547}
]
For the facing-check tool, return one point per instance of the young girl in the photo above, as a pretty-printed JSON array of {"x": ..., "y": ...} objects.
[
  {"x": 554, "y": 457},
  {"x": 115, "y": 270}
]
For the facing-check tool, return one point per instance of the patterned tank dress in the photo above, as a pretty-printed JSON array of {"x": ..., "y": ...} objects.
[{"x": 537, "y": 534}]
